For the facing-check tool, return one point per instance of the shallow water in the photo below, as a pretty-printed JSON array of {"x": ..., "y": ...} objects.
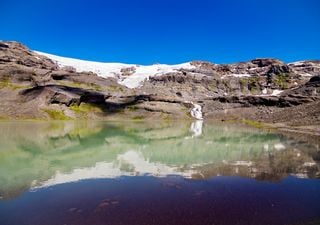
[{"x": 155, "y": 173}]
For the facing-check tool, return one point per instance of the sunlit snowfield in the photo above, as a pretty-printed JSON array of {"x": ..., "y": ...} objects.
[{"x": 154, "y": 173}]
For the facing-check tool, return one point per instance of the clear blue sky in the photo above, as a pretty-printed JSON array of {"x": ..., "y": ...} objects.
[{"x": 165, "y": 31}]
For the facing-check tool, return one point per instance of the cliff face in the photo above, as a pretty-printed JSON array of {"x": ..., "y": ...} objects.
[{"x": 33, "y": 86}]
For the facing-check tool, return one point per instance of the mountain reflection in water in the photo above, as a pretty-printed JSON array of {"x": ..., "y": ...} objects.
[{"x": 36, "y": 157}]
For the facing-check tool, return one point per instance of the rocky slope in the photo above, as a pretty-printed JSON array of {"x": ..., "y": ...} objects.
[{"x": 37, "y": 85}]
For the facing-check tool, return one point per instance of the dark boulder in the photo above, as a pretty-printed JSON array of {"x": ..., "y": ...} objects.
[
  {"x": 3, "y": 45},
  {"x": 266, "y": 62},
  {"x": 278, "y": 69}
]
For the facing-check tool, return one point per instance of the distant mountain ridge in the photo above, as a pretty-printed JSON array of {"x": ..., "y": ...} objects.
[{"x": 133, "y": 75}]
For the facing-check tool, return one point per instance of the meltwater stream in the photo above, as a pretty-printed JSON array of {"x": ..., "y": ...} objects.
[{"x": 155, "y": 173}]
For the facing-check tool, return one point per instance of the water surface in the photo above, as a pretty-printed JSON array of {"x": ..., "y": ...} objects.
[{"x": 155, "y": 173}]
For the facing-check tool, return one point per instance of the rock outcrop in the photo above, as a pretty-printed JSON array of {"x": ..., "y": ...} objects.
[{"x": 34, "y": 86}]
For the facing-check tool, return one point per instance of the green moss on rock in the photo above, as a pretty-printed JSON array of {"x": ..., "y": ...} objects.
[
  {"x": 282, "y": 80},
  {"x": 56, "y": 114}
]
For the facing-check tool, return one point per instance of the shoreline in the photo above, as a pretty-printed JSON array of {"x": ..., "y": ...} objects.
[{"x": 310, "y": 133}]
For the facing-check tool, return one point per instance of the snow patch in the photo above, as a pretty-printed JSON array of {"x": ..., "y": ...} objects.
[
  {"x": 265, "y": 91},
  {"x": 143, "y": 73},
  {"x": 135, "y": 80},
  {"x": 239, "y": 75},
  {"x": 101, "y": 69},
  {"x": 298, "y": 63},
  {"x": 276, "y": 92}
]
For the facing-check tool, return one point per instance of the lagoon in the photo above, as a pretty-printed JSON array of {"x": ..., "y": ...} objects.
[{"x": 155, "y": 173}]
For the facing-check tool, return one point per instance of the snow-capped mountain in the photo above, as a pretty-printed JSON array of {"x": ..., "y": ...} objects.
[{"x": 137, "y": 73}]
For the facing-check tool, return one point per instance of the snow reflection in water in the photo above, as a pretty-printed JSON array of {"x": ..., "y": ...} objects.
[{"x": 159, "y": 173}]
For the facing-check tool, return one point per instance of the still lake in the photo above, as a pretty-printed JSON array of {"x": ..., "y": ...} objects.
[{"x": 137, "y": 173}]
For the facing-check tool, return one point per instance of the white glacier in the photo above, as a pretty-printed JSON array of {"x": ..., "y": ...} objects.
[{"x": 102, "y": 69}]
